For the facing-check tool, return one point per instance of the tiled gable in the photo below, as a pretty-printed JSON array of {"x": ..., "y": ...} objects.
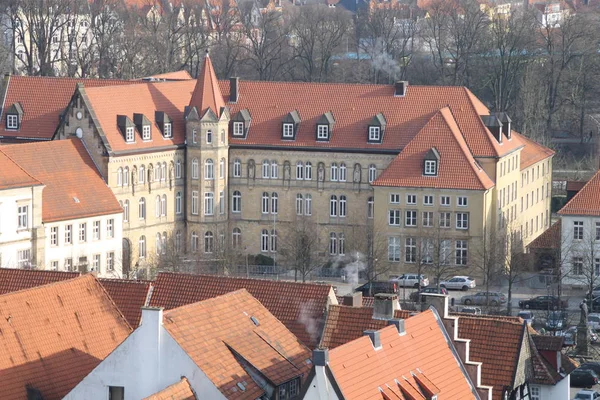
[
  {"x": 300, "y": 306},
  {"x": 54, "y": 335},
  {"x": 177, "y": 391},
  {"x": 13, "y": 176},
  {"x": 532, "y": 152},
  {"x": 15, "y": 279},
  {"x": 130, "y": 296},
  {"x": 549, "y": 239},
  {"x": 585, "y": 202}
]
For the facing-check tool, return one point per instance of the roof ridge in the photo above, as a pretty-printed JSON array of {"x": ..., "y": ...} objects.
[
  {"x": 479, "y": 121},
  {"x": 239, "y": 278},
  {"x": 212, "y": 299},
  {"x": 578, "y": 194}
]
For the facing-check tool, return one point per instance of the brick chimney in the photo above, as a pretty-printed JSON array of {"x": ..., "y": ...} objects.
[
  {"x": 400, "y": 88},
  {"x": 385, "y": 305},
  {"x": 352, "y": 299}
]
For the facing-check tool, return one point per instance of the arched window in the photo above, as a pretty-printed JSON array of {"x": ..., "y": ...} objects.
[
  {"x": 264, "y": 240},
  {"x": 222, "y": 135},
  {"x": 372, "y": 173},
  {"x": 332, "y": 243},
  {"x": 178, "y": 169},
  {"x": 236, "y": 238},
  {"x": 126, "y": 211},
  {"x": 308, "y": 171},
  {"x": 299, "y": 170},
  {"x": 274, "y": 170},
  {"x": 120, "y": 177},
  {"x": 142, "y": 208},
  {"x": 266, "y": 169},
  {"x": 274, "y": 203},
  {"x": 273, "y": 241},
  {"x": 341, "y": 245},
  {"x": 222, "y": 168},
  {"x": 209, "y": 203},
  {"x": 333, "y": 206},
  {"x": 142, "y": 247},
  {"x": 126, "y": 176},
  {"x": 157, "y": 207},
  {"x": 163, "y": 171},
  {"x": 178, "y": 241},
  {"x": 237, "y": 168},
  {"x": 333, "y": 176},
  {"x": 209, "y": 242},
  {"x": 370, "y": 207},
  {"x": 158, "y": 243},
  {"x": 163, "y": 205},
  {"x": 195, "y": 169},
  {"x": 178, "y": 203},
  {"x": 236, "y": 202},
  {"x": 342, "y": 206},
  {"x": 343, "y": 172},
  {"x": 265, "y": 203},
  {"x": 141, "y": 175},
  {"x": 209, "y": 136},
  {"x": 194, "y": 240},
  {"x": 163, "y": 247},
  {"x": 308, "y": 205},
  {"x": 157, "y": 172},
  {"x": 299, "y": 204},
  {"x": 209, "y": 169}
]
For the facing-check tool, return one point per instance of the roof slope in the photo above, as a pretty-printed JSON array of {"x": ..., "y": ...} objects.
[
  {"x": 175, "y": 76},
  {"x": 15, "y": 279},
  {"x": 216, "y": 333},
  {"x": 43, "y": 100},
  {"x": 360, "y": 370},
  {"x": 74, "y": 188},
  {"x": 54, "y": 335},
  {"x": 13, "y": 176},
  {"x": 585, "y": 202},
  {"x": 549, "y": 239},
  {"x": 130, "y": 296},
  {"x": 533, "y": 152},
  {"x": 207, "y": 94},
  {"x": 300, "y": 306},
  {"x": 177, "y": 391},
  {"x": 345, "y": 323},
  {"x": 457, "y": 168}
]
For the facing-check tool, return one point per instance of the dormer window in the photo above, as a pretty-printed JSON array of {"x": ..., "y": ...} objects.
[
  {"x": 238, "y": 129},
  {"x": 325, "y": 127},
  {"x": 129, "y": 134},
  {"x": 374, "y": 133},
  {"x": 288, "y": 131},
  {"x": 168, "y": 130},
  {"x": 127, "y": 128},
  {"x": 431, "y": 162},
  {"x": 430, "y": 167},
  {"x": 322, "y": 132},
  {"x": 146, "y": 132},
  {"x": 376, "y": 129},
  {"x": 290, "y": 125},
  {"x": 143, "y": 126},
  {"x": 241, "y": 123},
  {"x": 164, "y": 123},
  {"x": 12, "y": 121}
]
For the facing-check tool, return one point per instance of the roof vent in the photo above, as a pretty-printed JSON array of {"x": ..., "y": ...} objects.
[
  {"x": 399, "y": 324},
  {"x": 241, "y": 386},
  {"x": 76, "y": 200},
  {"x": 400, "y": 88},
  {"x": 255, "y": 321},
  {"x": 374, "y": 336}
]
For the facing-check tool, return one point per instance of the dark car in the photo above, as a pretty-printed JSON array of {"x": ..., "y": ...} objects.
[
  {"x": 370, "y": 289},
  {"x": 583, "y": 378},
  {"x": 557, "y": 320},
  {"x": 414, "y": 296},
  {"x": 543, "y": 303},
  {"x": 594, "y": 366}
]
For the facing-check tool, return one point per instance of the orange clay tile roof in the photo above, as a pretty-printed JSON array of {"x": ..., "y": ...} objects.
[
  {"x": 206, "y": 94},
  {"x": 457, "y": 168},
  {"x": 216, "y": 332},
  {"x": 177, "y": 391},
  {"x": 496, "y": 343},
  {"x": 14, "y": 279},
  {"x": 585, "y": 202},
  {"x": 366, "y": 301},
  {"x": 575, "y": 186},
  {"x": 532, "y": 152},
  {"x": 175, "y": 76},
  {"x": 43, "y": 100},
  {"x": 13, "y": 176},
  {"x": 141, "y": 98},
  {"x": 549, "y": 239},
  {"x": 345, "y": 323},
  {"x": 74, "y": 187},
  {"x": 548, "y": 343},
  {"x": 300, "y": 306},
  {"x": 360, "y": 370},
  {"x": 54, "y": 335},
  {"x": 130, "y": 296}
]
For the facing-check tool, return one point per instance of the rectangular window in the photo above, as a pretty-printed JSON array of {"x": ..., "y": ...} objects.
[
  {"x": 428, "y": 200},
  {"x": 394, "y": 249},
  {"x": 110, "y": 228},
  {"x": 23, "y": 257},
  {"x": 238, "y": 129},
  {"x": 22, "y": 217},
  {"x": 195, "y": 202},
  {"x": 54, "y": 236},
  {"x": 461, "y": 201},
  {"x": 410, "y": 250},
  {"x": 209, "y": 136},
  {"x": 394, "y": 217},
  {"x": 116, "y": 393},
  {"x": 82, "y": 232},
  {"x": 374, "y": 133},
  {"x": 129, "y": 137},
  {"x": 96, "y": 230},
  {"x": 597, "y": 230},
  {"x": 167, "y": 130},
  {"x": 178, "y": 200},
  {"x": 195, "y": 135},
  {"x": 209, "y": 203},
  {"x": 322, "y": 132},
  {"x": 410, "y": 218},
  {"x": 428, "y": 219},
  {"x": 462, "y": 220},
  {"x": 54, "y": 265},
  {"x": 12, "y": 121},
  {"x": 444, "y": 220},
  {"x": 535, "y": 393},
  {"x": 68, "y": 264},
  {"x": 288, "y": 130},
  {"x": 221, "y": 202},
  {"x": 394, "y": 198},
  {"x": 96, "y": 262},
  {"x": 445, "y": 200},
  {"x": 110, "y": 261},
  {"x": 430, "y": 167},
  {"x": 411, "y": 199},
  {"x": 68, "y": 234},
  {"x": 146, "y": 132},
  {"x": 461, "y": 252},
  {"x": 370, "y": 208},
  {"x": 577, "y": 265},
  {"x": 577, "y": 230},
  {"x": 445, "y": 252}
]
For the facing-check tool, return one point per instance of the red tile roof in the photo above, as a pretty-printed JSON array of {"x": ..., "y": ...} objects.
[
  {"x": 300, "y": 306},
  {"x": 177, "y": 391},
  {"x": 366, "y": 301},
  {"x": 585, "y": 202},
  {"x": 345, "y": 323},
  {"x": 175, "y": 76},
  {"x": 549, "y": 239},
  {"x": 497, "y": 344},
  {"x": 457, "y": 168},
  {"x": 532, "y": 152},
  {"x": 13, "y": 279},
  {"x": 206, "y": 94},
  {"x": 360, "y": 370},
  {"x": 575, "y": 186},
  {"x": 43, "y": 100},
  {"x": 216, "y": 332},
  {"x": 130, "y": 296},
  {"x": 74, "y": 187},
  {"x": 14, "y": 176},
  {"x": 54, "y": 335}
]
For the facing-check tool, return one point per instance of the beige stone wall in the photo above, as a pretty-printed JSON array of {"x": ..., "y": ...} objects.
[{"x": 535, "y": 189}]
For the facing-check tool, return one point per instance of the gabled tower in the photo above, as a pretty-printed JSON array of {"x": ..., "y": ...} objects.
[{"x": 207, "y": 149}]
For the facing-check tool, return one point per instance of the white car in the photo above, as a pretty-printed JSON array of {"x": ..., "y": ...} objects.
[
  {"x": 459, "y": 283},
  {"x": 410, "y": 280},
  {"x": 594, "y": 321},
  {"x": 587, "y": 394}
]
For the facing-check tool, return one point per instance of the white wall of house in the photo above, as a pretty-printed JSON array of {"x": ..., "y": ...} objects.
[
  {"x": 320, "y": 388},
  {"x": 586, "y": 249},
  {"x": 560, "y": 391},
  {"x": 14, "y": 239},
  {"x": 60, "y": 254},
  {"x": 146, "y": 362}
]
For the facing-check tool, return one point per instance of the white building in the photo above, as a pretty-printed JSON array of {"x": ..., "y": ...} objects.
[{"x": 56, "y": 212}]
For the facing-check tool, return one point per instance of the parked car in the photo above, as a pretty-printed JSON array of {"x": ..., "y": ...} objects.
[
  {"x": 557, "y": 320},
  {"x": 594, "y": 366},
  {"x": 459, "y": 283},
  {"x": 583, "y": 378},
  {"x": 410, "y": 280},
  {"x": 414, "y": 296},
  {"x": 484, "y": 298},
  {"x": 570, "y": 336},
  {"x": 527, "y": 316},
  {"x": 587, "y": 395},
  {"x": 471, "y": 310},
  {"x": 594, "y": 321},
  {"x": 595, "y": 292},
  {"x": 543, "y": 303},
  {"x": 377, "y": 287}
]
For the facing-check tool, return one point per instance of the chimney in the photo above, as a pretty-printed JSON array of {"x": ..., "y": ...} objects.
[
  {"x": 152, "y": 317},
  {"x": 352, "y": 299},
  {"x": 494, "y": 126},
  {"x": 320, "y": 357},
  {"x": 374, "y": 336},
  {"x": 437, "y": 301},
  {"x": 400, "y": 88},
  {"x": 505, "y": 120},
  {"x": 399, "y": 324},
  {"x": 385, "y": 305},
  {"x": 234, "y": 89}
]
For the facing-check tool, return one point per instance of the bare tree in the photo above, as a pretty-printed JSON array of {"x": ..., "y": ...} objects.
[
  {"x": 488, "y": 255},
  {"x": 302, "y": 248}
]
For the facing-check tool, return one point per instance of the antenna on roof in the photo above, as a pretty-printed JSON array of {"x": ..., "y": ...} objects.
[{"x": 206, "y": 53}]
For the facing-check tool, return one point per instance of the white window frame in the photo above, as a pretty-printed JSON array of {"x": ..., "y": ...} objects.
[
  {"x": 221, "y": 202},
  {"x": 394, "y": 198},
  {"x": 96, "y": 230},
  {"x": 237, "y": 168},
  {"x": 274, "y": 170},
  {"x": 343, "y": 172},
  {"x": 370, "y": 207},
  {"x": 322, "y": 132},
  {"x": 82, "y": 232},
  {"x": 23, "y": 217},
  {"x": 238, "y": 129},
  {"x": 265, "y": 203},
  {"x": 445, "y": 201},
  {"x": 461, "y": 258},
  {"x": 129, "y": 134},
  {"x": 342, "y": 206},
  {"x": 209, "y": 203},
  {"x": 266, "y": 169},
  {"x": 430, "y": 168},
  {"x": 110, "y": 228},
  {"x": 195, "y": 202},
  {"x": 428, "y": 200},
  {"x": 445, "y": 219},
  {"x": 394, "y": 217},
  {"x": 288, "y": 130},
  {"x": 462, "y": 220},
  {"x": 195, "y": 169},
  {"x": 577, "y": 230},
  {"x": 209, "y": 136},
  {"x": 410, "y": 218},
  {"x": 110, "y": 261},
  {"x": 410, "y": 250},
  {"x": 372, "y": 173},
  {"x": 168, "y": 130},
  {"x": 374, "y": 133},
  {"x": 236, "y": 202},
  {"x": 299, "y": 171},
  {"x": 178, "y": 203},
  {"x": 462, "y": 201},
  {"x": 146, "y": 132},
  {"x": 69, "y": 234},
  {"x": 308, "y": 204},
  {"x": 411, "y": 199},
  {"x": 333, "y": 175},
  {"x": 393, "y": 249},
  {"x": 209, "y": 169},
  {"x": 427, "y": 219},
  {"x": 222, "y": 168},
  {"x": 12, "y": 121},
  {"x": 54, "y": 236}
]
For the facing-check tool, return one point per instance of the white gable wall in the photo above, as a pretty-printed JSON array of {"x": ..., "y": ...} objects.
[{"x": 145, "y": 363}]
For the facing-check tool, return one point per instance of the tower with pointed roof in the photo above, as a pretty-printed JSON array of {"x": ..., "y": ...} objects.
[{"x": 207, "y": 125}]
